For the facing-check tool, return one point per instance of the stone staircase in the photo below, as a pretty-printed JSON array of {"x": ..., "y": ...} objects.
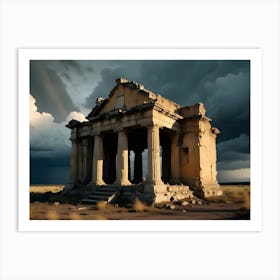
[{"x": 102, "y": 194}]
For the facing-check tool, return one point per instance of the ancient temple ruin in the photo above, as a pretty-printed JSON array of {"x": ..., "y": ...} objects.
[{"x": 180, "y": 144}]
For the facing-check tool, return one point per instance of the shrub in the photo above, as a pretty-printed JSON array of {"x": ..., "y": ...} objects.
[
  {"x": 52, "y": 215},
  {"x": 74, "y": 216},
  {"x": 246, "y": 198},
  {"x": 216, "y": 199},
  {"x": 101, "y": 205},
  {"x": 138, "y": 206}
]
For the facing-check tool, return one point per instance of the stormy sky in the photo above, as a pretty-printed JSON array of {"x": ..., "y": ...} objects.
[{"x": 61, "y": 90}]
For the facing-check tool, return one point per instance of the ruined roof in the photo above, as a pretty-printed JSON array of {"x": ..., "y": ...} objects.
[
  {"x": 101, "y": 102},
  {"x": 72, "y": 123},
  {"x": 97, "y": 108},
  {"x": 119, "y": 112},
  {"x": 137, "y": 100}
]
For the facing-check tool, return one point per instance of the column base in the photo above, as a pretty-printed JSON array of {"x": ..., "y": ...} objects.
[
  {"x": 212, "y": 190},
  {"x": 92, "y": 186},
  {"x": 206, "y": 189},
  {"x": 166, "y": 193},
  {"x": 68, "y": 187},
  {"x": 151, "y": 187},
  {"x": 122, "y": 183},
  {"x": 98, "y": 183}
]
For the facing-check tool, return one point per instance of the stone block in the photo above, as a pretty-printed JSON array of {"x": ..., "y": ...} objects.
[
  {"x": 149, "y": 188},
  {"x": 161, "y": 197},
  {"x": 180, "y": 196},
  {"x": 160, "y": 188},
  {"x": 169, "y": 206}
]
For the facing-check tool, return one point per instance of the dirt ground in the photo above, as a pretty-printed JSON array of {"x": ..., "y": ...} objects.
[{"x": 47, "y": 204}]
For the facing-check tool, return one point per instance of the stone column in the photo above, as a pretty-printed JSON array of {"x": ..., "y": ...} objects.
[
  {"x": 154, "y": 176},
  {"x": 84, "y": 159},
  {"x": 74, "y": 162},
  {"x": 122, "y": 160},
  {"x": 97, "y": 161},
  {"x": 138, "y": 166},
  {"x": 175, "y": 159},
  {"x": 129, "y": 165},
  {"x": 80, "y": 147}
]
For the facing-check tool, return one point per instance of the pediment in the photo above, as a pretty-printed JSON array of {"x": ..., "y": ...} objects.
[{"x": 125, "y": 95}]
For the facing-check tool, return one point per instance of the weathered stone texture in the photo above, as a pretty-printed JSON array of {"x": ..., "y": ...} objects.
[{"x": 180, "y": 143}]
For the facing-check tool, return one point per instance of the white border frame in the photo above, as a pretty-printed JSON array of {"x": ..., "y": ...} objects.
[{"x": 254, "y": 55}]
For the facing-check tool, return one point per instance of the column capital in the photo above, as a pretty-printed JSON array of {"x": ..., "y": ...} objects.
[
  {"x": 95, "y": 132},
  {"x": 74, "y": 134},
  {"x": 120, "y": 129},
  {"x": 153, "y": 124}
]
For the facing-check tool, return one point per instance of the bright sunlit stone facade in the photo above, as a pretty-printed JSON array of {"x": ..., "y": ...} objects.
[{"x": 180, "y": 143}]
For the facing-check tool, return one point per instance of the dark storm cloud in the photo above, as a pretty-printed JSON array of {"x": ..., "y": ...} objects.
[
  {"x": 223, "y": 86},
  {"x": 53, "y": 170},
  {"x": 234, "y": 164},
  {"x": 127, "y": 69},
  {"x": 89, "y": 69},
  {"x": 229, "y": 104},
  {"x": 184, "y": 80},
  {"x": 72, "y": 64},
  {"x": 234, "y": 153},
  {"x": 240, "y": 145},
  {"x": 104, "y": 87},
  {"x": 49, "y": 154},
  {"x": 49, "y": 91},
  {"x": 66, "y": 76},
  {"x": 40, "y": 149}
]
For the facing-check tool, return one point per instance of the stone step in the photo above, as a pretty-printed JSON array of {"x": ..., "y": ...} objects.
[
  {"x": 98, "y": 197},
  {"x": 107, "y": 189},
  {"x": 103, "y": 193},
  {"x": 90, "y": 201}
]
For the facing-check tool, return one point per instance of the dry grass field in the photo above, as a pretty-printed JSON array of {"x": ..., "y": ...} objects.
[
  {"x": 47, "y": 204},
  {"x": 46, "y": 188},
  {"x": 234, "y": 194}
]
